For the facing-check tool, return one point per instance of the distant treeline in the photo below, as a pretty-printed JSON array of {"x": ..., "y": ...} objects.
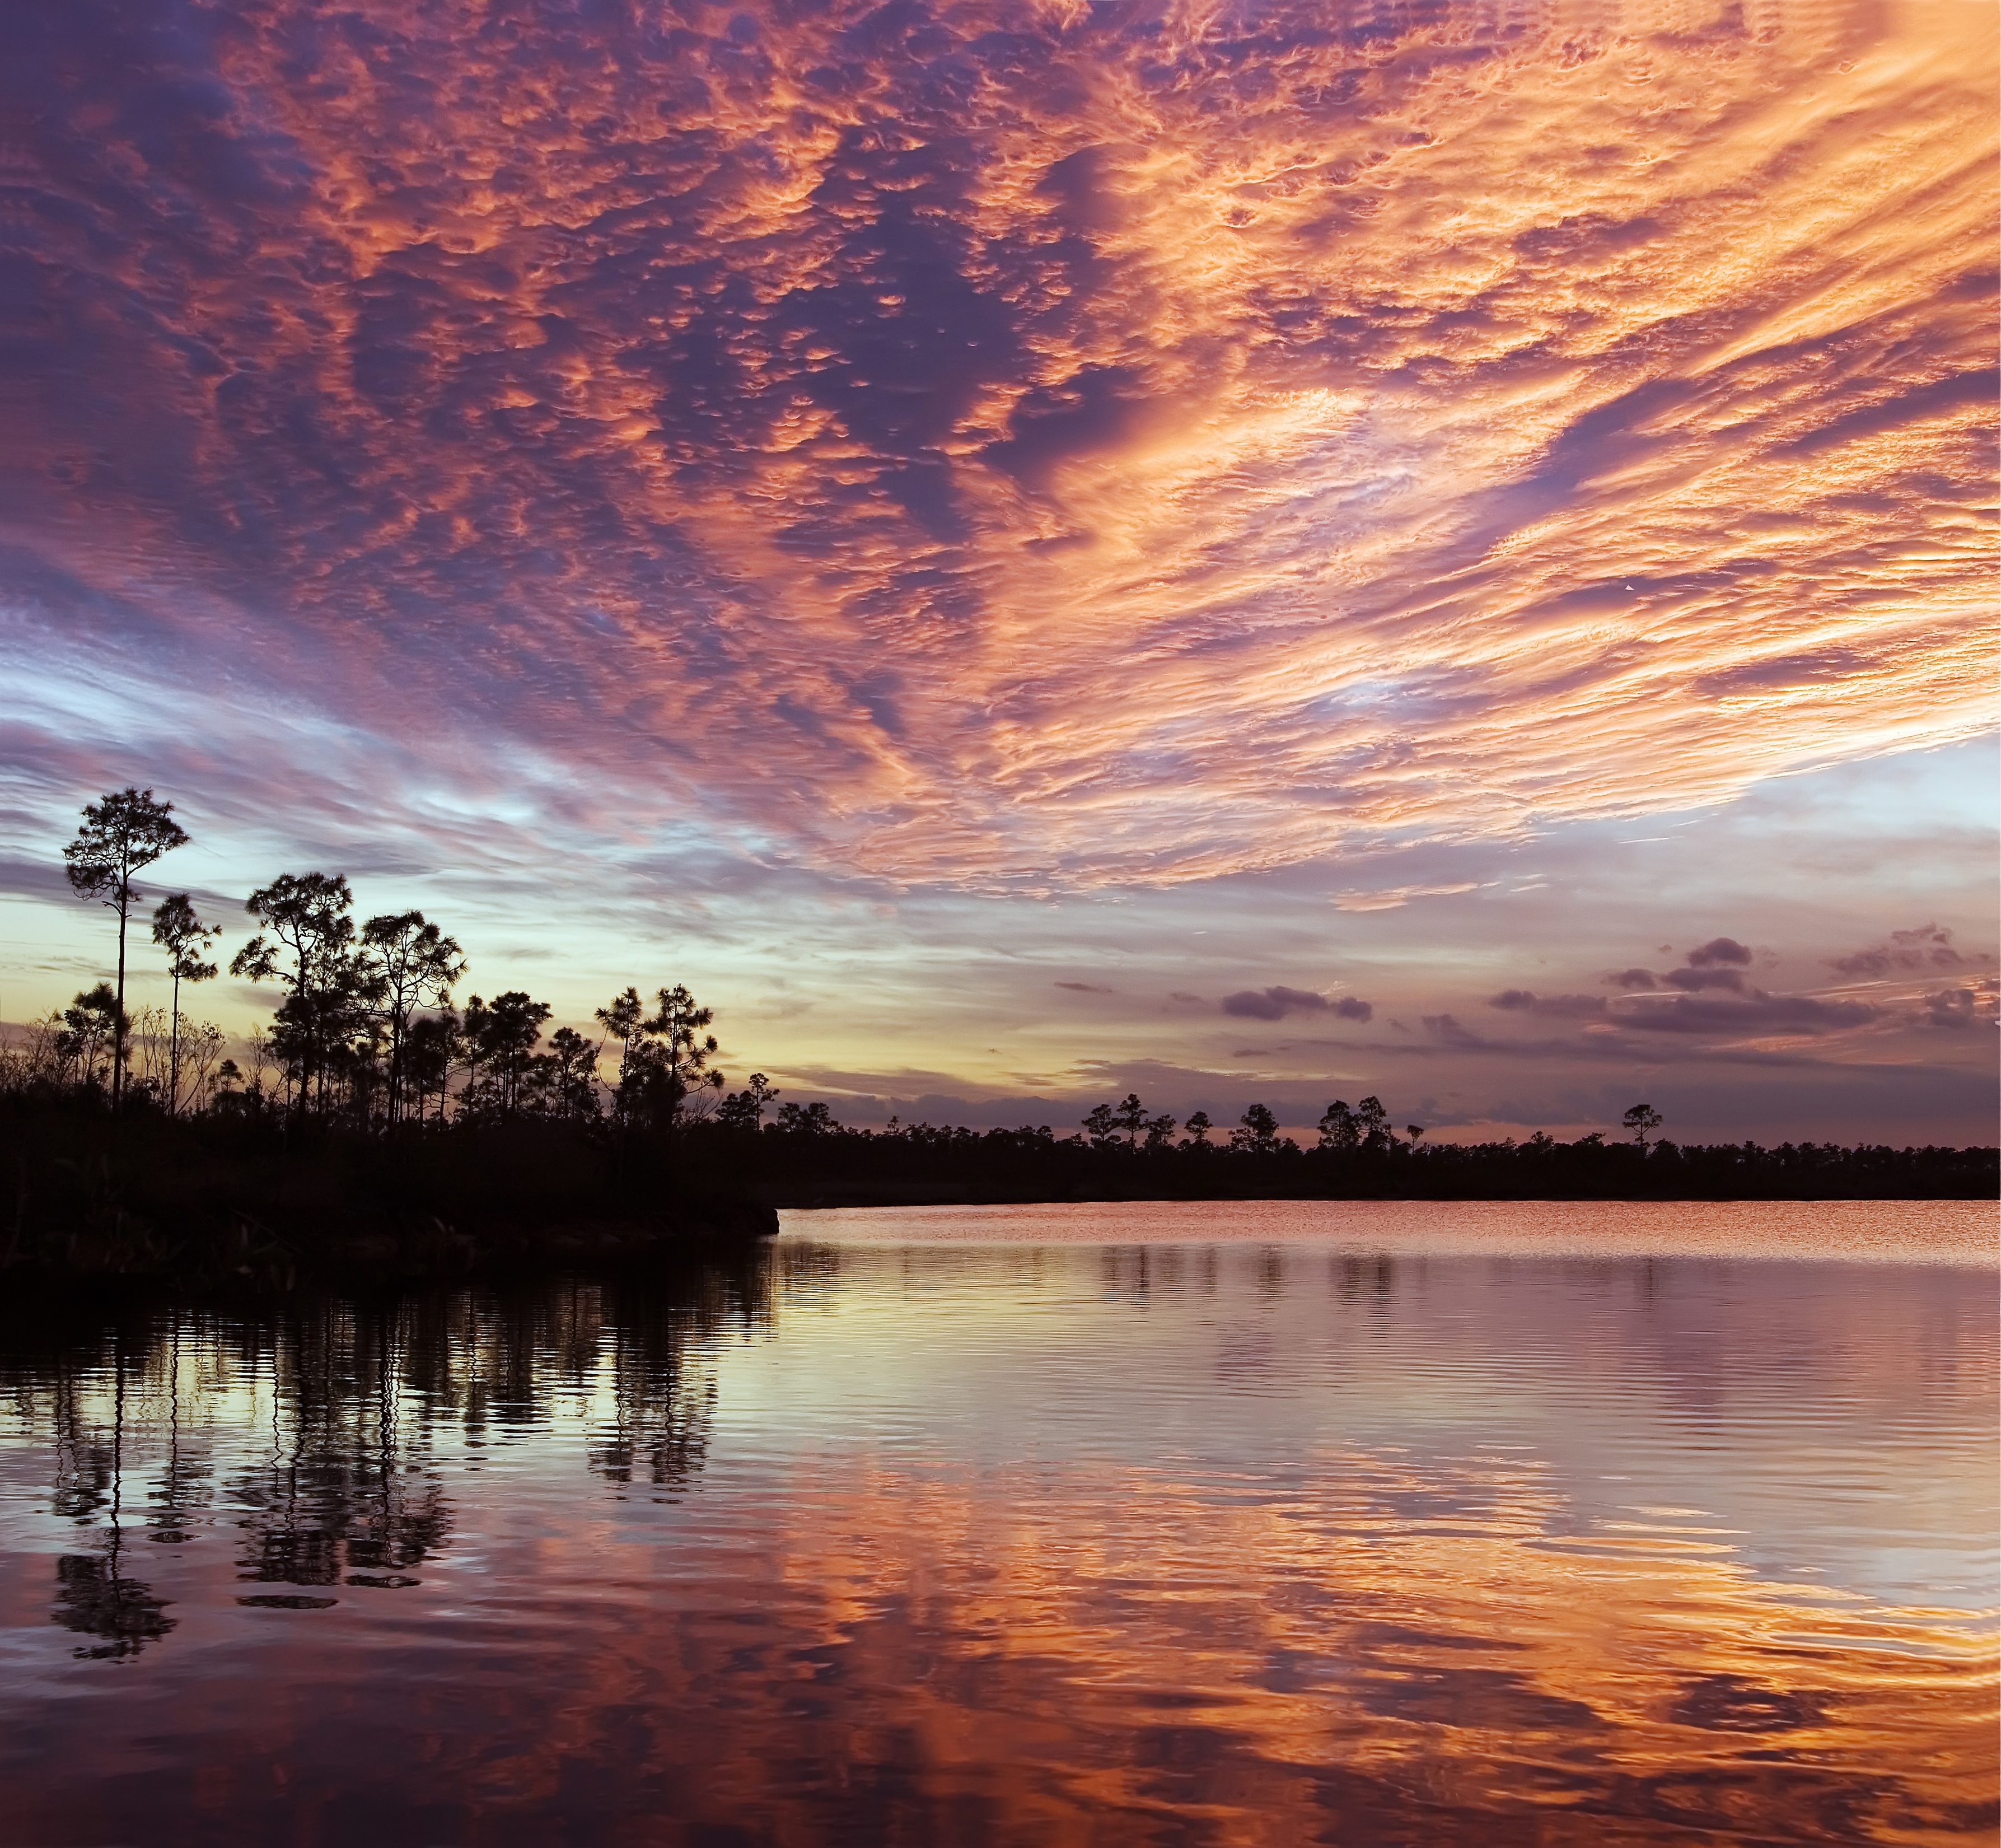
[
  {"x": 829, "y": 1166},
  {"x": 375, "y": 1114}
]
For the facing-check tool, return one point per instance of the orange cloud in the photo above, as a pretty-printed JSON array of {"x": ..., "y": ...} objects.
[{"x": 995, "y": 445}]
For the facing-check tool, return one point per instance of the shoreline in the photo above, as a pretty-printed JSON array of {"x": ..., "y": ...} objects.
[{"x": 280, "y": 1200}]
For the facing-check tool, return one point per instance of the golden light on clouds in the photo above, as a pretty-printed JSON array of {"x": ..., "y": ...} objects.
[{"x": 993, "y": 444}]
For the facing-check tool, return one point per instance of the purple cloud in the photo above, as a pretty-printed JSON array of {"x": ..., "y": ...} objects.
[
  {"x": 1521, "y": 1000},
  {"x": 1276, "y": 1002},
  {"x": 1690, "y": 981},
  {"x": 1956, "y": 1009},
  {"x": 1926, "y": 947},
  {"x": 1757, "y": 1013}
]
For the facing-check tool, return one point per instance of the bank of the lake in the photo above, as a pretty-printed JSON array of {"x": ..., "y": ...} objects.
[{"x": 277, "y": 1197}]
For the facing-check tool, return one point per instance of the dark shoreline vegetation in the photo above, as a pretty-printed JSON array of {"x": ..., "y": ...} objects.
[
  {"x": 375, "y": 1127},
  {"x": 277, "y": 1198}
]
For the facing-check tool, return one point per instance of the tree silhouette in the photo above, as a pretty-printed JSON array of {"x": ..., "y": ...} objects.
[
  {"x": 183, "y": 936},
  {"x": 681, "y": 1050},
  {"x": 93, "y": 1025},
  {"x": 1102, "y": 1125},
  {"x": 1339, "y": 1129},
  {"x": 503, "y": 1036},
  {"x": 806, "y": 1120},
  {"x": 431, "y": 1045},
  {"x": 1641, "y": 1122},
  {"x": 332, "y": 987},
  {"x": 122, "y": 833},
  {"x": 419, "y": 967},
  {"x": 1128, "y": 1118},
  {"x": 568, "y": 1074},
  {"x": 1259, "y": 1134},
  {"x": 624, "y": 1017},
  {"x": 1198, "y": 1127},
  {"x": 745, "y": 1109}
]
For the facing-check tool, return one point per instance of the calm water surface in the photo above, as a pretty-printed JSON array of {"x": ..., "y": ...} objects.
[{"x": 1266, "y": 1524}]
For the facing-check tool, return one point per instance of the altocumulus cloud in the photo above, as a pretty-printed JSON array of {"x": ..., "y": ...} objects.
[{"x": 978, "y": 407}]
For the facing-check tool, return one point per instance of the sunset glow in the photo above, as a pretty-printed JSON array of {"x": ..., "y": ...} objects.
[{"x": 979, "y": 534}]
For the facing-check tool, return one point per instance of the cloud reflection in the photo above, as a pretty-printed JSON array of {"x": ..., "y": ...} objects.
[{"x": 1424, "y": 1543}]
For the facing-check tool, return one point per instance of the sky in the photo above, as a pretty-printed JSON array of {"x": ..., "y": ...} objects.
[{"x": 1028, "y": 551}]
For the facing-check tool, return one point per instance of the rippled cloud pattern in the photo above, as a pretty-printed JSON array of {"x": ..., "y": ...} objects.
[{"x": 1014, "y": 443}]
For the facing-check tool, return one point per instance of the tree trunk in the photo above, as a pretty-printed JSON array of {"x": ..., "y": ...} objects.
[
  {"x": 395, "y": 1109},
  {"x": 118, "y": 1025},
  {"x": 174, "y": 1048}
]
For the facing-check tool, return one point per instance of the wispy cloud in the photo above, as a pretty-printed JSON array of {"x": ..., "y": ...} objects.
[
  {"x": 1000, "y": 444},
  {"x": 1391, "y": 897},
  {"x": 756, "y": 493}
]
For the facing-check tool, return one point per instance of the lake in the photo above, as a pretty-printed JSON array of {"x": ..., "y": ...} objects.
[{"x": 1357, "y": 1523}]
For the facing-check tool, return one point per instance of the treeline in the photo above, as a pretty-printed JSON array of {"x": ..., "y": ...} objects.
[
  {"x": 365, "y": 1032},
  {"x": 375, "y": 1114},
  {"x": 815, "y": 1162}
]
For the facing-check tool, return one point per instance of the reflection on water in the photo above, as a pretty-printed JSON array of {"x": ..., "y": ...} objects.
[{"x": 1112, "y": 1533}]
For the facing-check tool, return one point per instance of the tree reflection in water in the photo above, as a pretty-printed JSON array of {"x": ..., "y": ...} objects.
[
  {"x": 354, "y": 1394},
  {"x": 94, "y": 1595},
  {"x": 1149, "y": 1542}
]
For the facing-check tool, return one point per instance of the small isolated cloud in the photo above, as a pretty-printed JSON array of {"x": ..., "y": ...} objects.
[
  {"x": 1972, "y": 1005},
  {"x": 1631, "y": 978},
  {"x": 1086, "y": 988},
  {"x": 1272, "y": 1004},
  {"x": 1389, "y": 898},
  {"x": 1720, "y": 950},
  {"x": 1191, "y": 1000},
  {"x": 1927, "y": 947},
  {"x": 1568, "y": 1006},
  {"x": 1275, "y": 1004}
]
